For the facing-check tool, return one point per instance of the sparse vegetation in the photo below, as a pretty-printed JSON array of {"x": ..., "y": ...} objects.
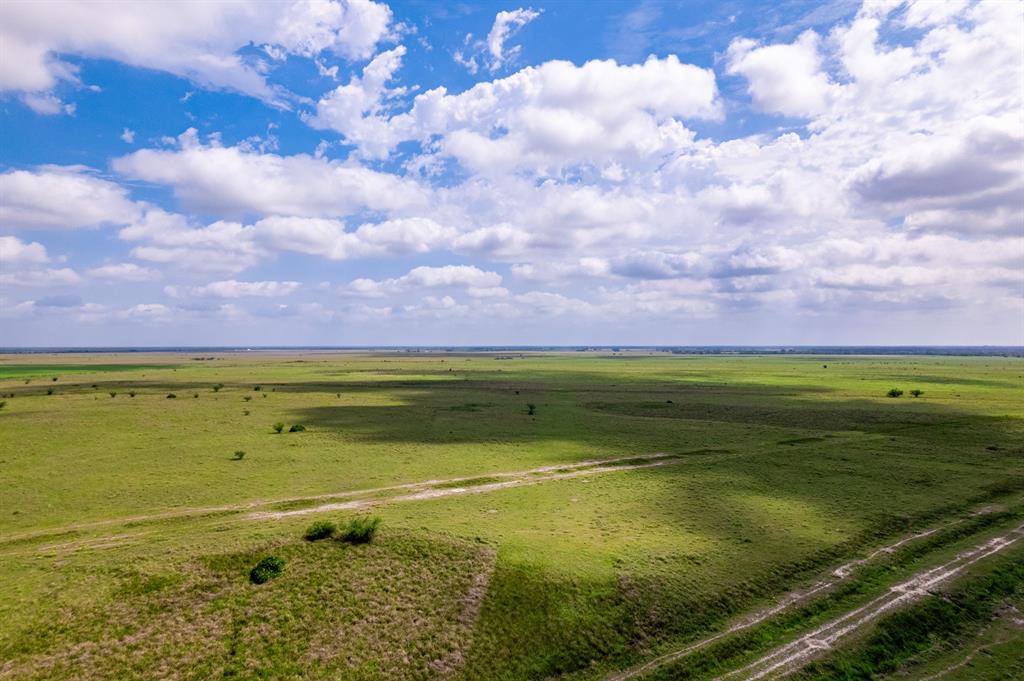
[
  {"x": 531, "y": 409},
  {"x": 217, "y": 387},
  {"x": 113, "y": 394},
  {"x": 359, "y": 530},
  {"x": 297, "y": 428},
  {"x": 171, "y": 396},
  {"x": 131, "y": 393},
  {"x": 321, "y": 529},
  {"x": 247, "y": 398},
  {"x": 239, "y": 454},
  {"x": 916, "y": 393},
  {"x": 278, "y": 427},
  {"x": 895, "y": 392},
  {"x": 3, "y": 404},
  {"x": 49, "y": 391},
  {"x": 266, "y": 569}
]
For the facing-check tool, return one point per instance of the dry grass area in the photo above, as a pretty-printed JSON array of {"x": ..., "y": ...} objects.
[{"x": 401, "y": 607}]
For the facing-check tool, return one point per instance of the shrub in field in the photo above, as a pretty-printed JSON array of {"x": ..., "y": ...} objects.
[
  {"x": 360, "y": 530},
  {"x": 245, "y": 412},
  {"x": 247, "y": 398},
  {"x": 531, "y": 409},
  {"x": 55, "y": 378},
  {"x": 195, "y": 395},
  {"x": 297, "y": 428},
  {"x": 895, "y": 392},
  {"x": 131, "y": 393},
  {"x": 257, "y": 388},
  {"x": 278, "y": 427},
  {"x": 916, "y": 393},
  {"x": 239, "y": 454},
  {"x": 171, "y": 396},
  {"x": 266, "y": 569},
  {"x": 94, "y": 386},
  {"x": 217, "y": 387},
  {"x": 321, "y": 529},
  {"x": 49, "y": 391},
  {"x": 113, "y": 394},
  {"x": 3, "y": 404}
]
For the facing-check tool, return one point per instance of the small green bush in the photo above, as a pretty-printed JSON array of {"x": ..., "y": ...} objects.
[
  {"x": 217, "y": 387},
  {"x": 171, "y": 396},
  {"x": 131, "y": 393},
  {"x": 360, "y": 530},
  {"x": 531, "y": 409},
  {"x": 195, "y": 395},
  {"x": 49, "y": 391},
  {"x": 247, "y": 398},
  {"x": 278, "y": 427},
  {"x": 257, "y": 388},
  {"x": 297, "y": 428},
  {"x": 245, "y": 412},
  {"x": 54, "y": 378},
  {"x": 239, "y": 454},
  {"x": 113, "y": 394},
  {"x": 266, "y": 569},
  {"x": 916, "y": 393},
  {"x": 895, "y": 392},
  {"x": 3, "y": 404},
  {"x": 321, "y": 529}
]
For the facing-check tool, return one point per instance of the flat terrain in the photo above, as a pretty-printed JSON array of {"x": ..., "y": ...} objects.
[{"x": 569, "y": 515}]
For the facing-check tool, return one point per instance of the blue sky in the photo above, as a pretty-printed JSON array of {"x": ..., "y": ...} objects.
[{"x": 354, "y": 172}]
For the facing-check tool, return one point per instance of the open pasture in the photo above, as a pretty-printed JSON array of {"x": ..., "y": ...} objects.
[{"x": 123, "y": 504}]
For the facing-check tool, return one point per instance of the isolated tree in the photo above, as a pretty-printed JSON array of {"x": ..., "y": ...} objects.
[
  {"x": 531, "y": 409},
  {"x": 113, "y": 394},
  {"x": 239, "y": 454},
  {"x": 278, "y": 427},
  {"x": 916, "y": 393},
  {"x": 894, "y": 392}
]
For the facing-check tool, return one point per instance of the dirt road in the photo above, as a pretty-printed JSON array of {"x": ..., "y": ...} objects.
[{"x": 794, "y": 655}]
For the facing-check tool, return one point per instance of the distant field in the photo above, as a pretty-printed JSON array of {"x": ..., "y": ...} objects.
[
  {"x": 56, "y": 370},
  {"x": 503, "y": 552}
]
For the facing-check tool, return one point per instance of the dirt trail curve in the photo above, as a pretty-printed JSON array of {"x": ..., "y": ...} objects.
[
  {"x": 792, "y": 656},
  {"x": 425, "y": 489}
]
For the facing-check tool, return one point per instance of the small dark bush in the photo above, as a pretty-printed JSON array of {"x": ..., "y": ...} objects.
[
  {"x": 217, "y": 388},
  {"x": 531, "y": 409},
  {"x": 113, "y": 394},
  {"x": 3, "y": 404},
  {"x": 337, "y": 394},
  {"x": 239, "y": 455},
  {"x": 321, "y": 529},
  {"x": 257, "y": 388},
  {"x": 171, "y": 396},
  {"x": 247, "y": 398},
  {"x": 297, "y": 428},
  {"x": 278, "y": 427},
  {"x": 94, "y": 386},
  {"x": 195, "y": 395},
  {"x": 245, "y": 412},
  {"x": 49, "y": 391},
  {"x": 264, "y": 395},
  {"x": 895, "y": 392},
  {"x": 266, "y": 569},
  {"x": 55, "y": 378},
  {"x": 916, "y": 393},
  {"x": 360, "y": 530},
  {"x": 131, "y": 393}
]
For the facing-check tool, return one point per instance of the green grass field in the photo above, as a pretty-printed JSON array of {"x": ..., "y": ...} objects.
[{"x": 128, "y": 524}]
